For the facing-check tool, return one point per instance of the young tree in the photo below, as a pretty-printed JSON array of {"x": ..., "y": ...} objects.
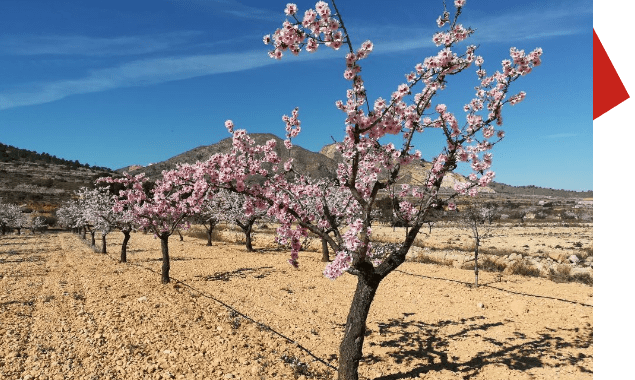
[
  {"x": 212, "y": 212},
  {"x": 38, "y": 223},
  {"x": 243, "y": 211},
  {"x": 369, "y": 164},
  {"x": 164, "y": 209},
  {"x": 11, "y": 216},
  {"x": 474, "y": 216},
  {"x": 97, "y": 210}
]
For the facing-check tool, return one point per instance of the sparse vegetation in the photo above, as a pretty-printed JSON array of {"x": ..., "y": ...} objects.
[{"x": 523, "y": 268}]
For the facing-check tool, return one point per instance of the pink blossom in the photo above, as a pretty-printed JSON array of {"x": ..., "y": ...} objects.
[{"x": 291, "y": 9}]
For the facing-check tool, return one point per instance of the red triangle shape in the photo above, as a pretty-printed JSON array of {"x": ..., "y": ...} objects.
[{"x": 608, "y": 89}]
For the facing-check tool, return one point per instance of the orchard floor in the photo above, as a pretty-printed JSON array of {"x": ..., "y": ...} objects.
[{"x": 70, "y": 313}]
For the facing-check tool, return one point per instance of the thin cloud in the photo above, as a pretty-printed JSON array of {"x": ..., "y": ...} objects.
[
  {"x": 142, "y": 73},
  {"x": 517, "y": 27},
  {"x": 151, "y": 71},
  {"x": 91, "y": 46},
  {"x": 232, "y": 8}
]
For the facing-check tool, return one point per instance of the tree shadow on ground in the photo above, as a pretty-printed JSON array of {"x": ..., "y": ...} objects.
[
  {"x": 30, "y": 259},
  {"x": 259, "y": 273},
  {"x": 173, "y": 258},
  {"x": 418, "y": 341}
]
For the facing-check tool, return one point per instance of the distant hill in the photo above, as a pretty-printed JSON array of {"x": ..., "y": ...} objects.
[
  {"x": 530, "y": 190},
  {"x": 324, "y": 164},
  {"x": 40, "y": 180},
  {"x": 304, "y": 160}
]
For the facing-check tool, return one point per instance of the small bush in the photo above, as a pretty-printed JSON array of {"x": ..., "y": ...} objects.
[
  {"x": 523, "y": 268},
  {"x": 561, "y": 274},
  {"x": 490, "y": 265},
  {"x": 426, "y": 259},
  {"x": 583, "y": 278}
]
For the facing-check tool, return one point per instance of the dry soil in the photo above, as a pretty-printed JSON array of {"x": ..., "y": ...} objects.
[{"x": 68, "y": 312}]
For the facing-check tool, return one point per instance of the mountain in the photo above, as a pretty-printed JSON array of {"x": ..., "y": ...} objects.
[
  {"x": 43, "y": 182},
  {"x": 324, "y": 164},
  {"x": 40, "y": 180},
  {"x": 304, "y": 160}
]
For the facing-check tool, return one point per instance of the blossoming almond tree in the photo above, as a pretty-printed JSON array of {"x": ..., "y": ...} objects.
[
  {"x": 174, "y": 197},
  {"x": 11, "y": 216},
  {"x": 370, "y": 165}
]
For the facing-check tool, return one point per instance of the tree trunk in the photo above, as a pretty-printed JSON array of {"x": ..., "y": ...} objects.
[
  {"x": 353, "y": 341},
  {"x": 180, "y": 236},
  {"x": 247, "y": 227},
  {"x": 165, "y": 268},
  {"x": 84, "y": 233},
  {"x": 124, "y": 245},
  {"x": 103, "y": 243},
  {"x": 476, "y": 263},
  {"x": 92, "y": 238},
  {"x": 209, "y": 230},
  {"x": 248, "y": 237},
  {"x": 325, "y": 251}
]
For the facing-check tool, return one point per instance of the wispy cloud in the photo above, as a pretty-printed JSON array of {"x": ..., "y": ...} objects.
[
  {"x": 92, "y": 46},
  {"x": 231, "y": 8},
  {"x": 516, "y": 27},
  {"x": 141, "y": 73}
]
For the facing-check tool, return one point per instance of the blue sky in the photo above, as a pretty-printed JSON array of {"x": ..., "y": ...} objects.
[{"x": 114, "y": 83}]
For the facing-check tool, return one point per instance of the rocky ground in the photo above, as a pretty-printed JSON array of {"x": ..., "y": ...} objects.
[{"x": 70, "y": 313}]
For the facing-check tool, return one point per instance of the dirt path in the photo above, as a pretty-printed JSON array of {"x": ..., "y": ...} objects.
[{"x": 71, "y": 313}]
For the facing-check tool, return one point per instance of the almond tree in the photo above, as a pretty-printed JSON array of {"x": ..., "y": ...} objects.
[
  {"x": 473, "y": 217},
  {"x": 68, "y": 214},
  {"x": 244, "y": 211},
  {"x": 164, "y": 209},
  {"x": 97, "y": 210},
  {"x": 11, "y": 216},
  {"x": 122, "y": 220},
  {"x": 370, "y": 165},
  {"x": 212, "y": 212}
]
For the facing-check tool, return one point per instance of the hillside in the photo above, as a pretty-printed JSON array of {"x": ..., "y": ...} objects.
[
  {"x": 43, "y": 181},
  {"x": 530, "y": 190},
  {"x": 304, "y": 161},
  {"x": 40, "y": 180}
]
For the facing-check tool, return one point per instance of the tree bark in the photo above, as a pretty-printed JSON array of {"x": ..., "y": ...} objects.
[
  {"x": 92, "y": 238},
  {"x": 165, "y": 268},
  {"x": 353, "y": 341},
  {"x": 248, "y": 237},
  {"x": 103, "y": 243},
  {"x": 247, "y": 227},
  {"x": 209, "y": 238},
  {"x": 124, "y": 245},
  {"x": 325, "y": 251},
  {"x": 209, "y": 230},
  {"x": 477, "y": 240}
]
